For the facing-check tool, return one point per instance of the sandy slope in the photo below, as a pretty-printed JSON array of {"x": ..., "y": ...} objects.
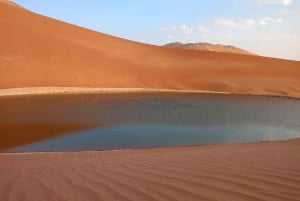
[
  {"x": 39, "y": 51},
  {"x": 208, "y": 47},
  {"x": 254, "y": 171}
]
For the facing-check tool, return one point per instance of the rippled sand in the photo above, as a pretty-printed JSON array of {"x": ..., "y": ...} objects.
[{"x": 253, "y": 171}]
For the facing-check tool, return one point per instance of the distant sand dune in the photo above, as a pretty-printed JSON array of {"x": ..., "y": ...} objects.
[
  {"x": 208, "y": 47},
  {"x": 254, "y": 171}
]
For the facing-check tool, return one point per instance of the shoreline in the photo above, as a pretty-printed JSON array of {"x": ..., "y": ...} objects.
[
  {"x": 156, "y": 148},
  {"x": 25, "y": 91}
]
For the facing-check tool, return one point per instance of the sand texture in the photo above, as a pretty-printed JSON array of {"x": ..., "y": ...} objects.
[
  {"x": 37, "y": 51},
  {"x": 254, "y": 171}
]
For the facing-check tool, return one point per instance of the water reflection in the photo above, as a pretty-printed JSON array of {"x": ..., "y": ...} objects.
[
  {"x": 154, "y": 135},
  {"x": 155, "y": 120}
]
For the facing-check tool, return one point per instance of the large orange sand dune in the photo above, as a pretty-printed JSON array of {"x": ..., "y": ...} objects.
[{"x": 39, "y": 51}]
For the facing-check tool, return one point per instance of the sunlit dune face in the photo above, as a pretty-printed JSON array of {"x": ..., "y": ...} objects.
[{"x": 38, "y": 51}]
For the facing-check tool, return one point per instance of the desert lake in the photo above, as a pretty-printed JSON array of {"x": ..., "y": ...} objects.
[{"x": 143, "y": 120}]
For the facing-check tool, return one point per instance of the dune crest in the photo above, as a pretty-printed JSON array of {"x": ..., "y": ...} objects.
[{"x": 11, "y": 3}]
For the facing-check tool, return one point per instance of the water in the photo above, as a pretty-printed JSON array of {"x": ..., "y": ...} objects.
[{"x": 159, "y": 120}]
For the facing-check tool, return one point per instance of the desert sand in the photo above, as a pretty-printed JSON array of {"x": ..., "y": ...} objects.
[
  {"x": 85, "y": 90},
  {"x": 208, "y": 47},
  {"x": 253, "y": 171},
  {"x": 37, "y": 51}
]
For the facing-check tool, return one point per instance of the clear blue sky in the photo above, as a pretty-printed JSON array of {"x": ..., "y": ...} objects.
[{"x": 265, "y": 27}]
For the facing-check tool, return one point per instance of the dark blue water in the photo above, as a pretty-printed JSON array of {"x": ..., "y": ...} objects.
[{"x": 155, "y": 120}]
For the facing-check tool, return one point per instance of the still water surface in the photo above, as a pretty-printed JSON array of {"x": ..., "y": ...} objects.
[{"x": 158, "y": 120}]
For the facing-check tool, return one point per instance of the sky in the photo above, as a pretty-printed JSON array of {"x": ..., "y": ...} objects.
[{"x": 265, "y": 27}]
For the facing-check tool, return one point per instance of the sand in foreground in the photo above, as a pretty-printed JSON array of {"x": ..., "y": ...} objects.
[{"x": 254, "y": 171}]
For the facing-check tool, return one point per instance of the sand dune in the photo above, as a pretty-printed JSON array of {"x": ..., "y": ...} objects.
[
  {"x": 37, "y": 51},
  {"x": 254, "y": 171},
  {"x": 208, "y": 47}
]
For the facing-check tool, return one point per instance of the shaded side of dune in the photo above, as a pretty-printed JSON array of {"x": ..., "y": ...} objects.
[{"x": 250, "y": 172}]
